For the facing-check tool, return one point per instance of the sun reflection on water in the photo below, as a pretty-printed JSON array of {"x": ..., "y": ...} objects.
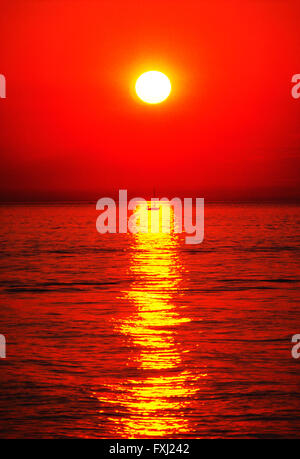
[{"x": 156, "y": 400}]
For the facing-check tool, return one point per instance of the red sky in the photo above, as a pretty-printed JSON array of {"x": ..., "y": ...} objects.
[{"x": 72, "y": 128}]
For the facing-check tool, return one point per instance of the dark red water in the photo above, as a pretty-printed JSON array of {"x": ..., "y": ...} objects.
[{"x": 138, "y": 336}]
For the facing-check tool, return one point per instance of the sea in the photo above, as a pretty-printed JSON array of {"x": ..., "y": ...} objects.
[{"x": 145, "y": 336}]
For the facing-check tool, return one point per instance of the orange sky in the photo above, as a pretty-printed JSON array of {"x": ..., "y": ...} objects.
[{"x": 72, "y": 128}]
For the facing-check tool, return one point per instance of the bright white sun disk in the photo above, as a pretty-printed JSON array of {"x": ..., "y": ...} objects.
[{"x": 153, "y": 87}]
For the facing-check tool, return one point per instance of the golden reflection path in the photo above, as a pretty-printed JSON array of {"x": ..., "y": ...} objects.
[{"x": 156, "y": 401}]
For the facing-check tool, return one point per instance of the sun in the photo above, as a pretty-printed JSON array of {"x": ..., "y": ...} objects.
[{"x": 153, "y": 87}]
